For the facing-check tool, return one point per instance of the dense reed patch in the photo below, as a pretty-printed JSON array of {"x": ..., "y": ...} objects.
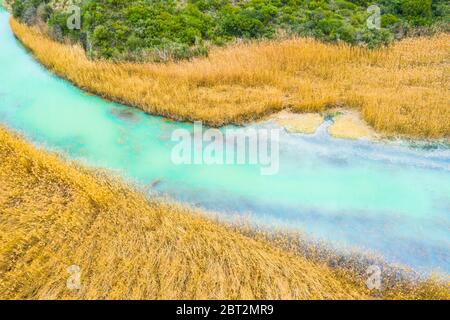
[
  {"x": 403, "y": 89},
  {"x": 55, "y": 214}
]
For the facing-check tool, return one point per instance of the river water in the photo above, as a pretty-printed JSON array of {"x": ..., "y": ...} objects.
[{"x": 389, "y": 199}]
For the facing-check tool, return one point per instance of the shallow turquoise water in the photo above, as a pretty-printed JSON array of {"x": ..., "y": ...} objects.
[{"x": 386, "y": 198}]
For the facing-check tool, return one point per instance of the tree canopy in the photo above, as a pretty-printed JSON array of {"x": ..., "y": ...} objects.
[{"x": 162, "y": 29}]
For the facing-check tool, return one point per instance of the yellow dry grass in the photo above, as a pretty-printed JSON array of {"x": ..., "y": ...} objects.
[
  {"x": 403, "y": 89},
  {"x": 55, "y": 214}
]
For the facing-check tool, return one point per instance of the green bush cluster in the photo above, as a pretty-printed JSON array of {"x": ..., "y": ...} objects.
[
  {"x": 30, "y": 11},
  {"x": 169, "y": 29}
]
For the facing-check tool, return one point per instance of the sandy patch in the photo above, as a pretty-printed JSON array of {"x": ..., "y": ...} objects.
[
  {"x": 349, "y": 125},
  {"x": 299, "y": 123}
]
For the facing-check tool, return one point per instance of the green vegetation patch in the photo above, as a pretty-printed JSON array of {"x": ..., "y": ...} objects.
[{"x": 161, "y": 30}]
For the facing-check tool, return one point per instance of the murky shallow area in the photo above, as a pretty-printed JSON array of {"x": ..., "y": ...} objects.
[{"x": 392, "y": 199}]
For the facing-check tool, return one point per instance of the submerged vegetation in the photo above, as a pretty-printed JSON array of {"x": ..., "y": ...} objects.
[
  {"x": 55, "y": 214},
  {"x": 161, "y": 30},
  {"x": 402, "y": 89}
]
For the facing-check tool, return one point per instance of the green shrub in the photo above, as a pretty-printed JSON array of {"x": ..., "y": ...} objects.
[
  {"x": 167, "y": 29},
  {"x": 419, "y": 12},
  {"x": 388, "y": 20},
  {"x": 17, "y": 7}
]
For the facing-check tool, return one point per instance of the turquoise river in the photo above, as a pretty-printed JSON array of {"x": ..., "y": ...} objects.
[{"x": 390, "y": 198}]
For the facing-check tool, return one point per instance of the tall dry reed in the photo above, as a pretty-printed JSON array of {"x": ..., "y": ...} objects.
[
  {"x": 403, "y": 89},
  {"x": 55, "y": 214}
]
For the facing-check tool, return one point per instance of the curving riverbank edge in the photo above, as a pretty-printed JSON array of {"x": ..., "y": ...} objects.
[
  {"x": 38, "y": 171},
  {"x": 143, "y": 242},
  {"x": 220, "y": 91},
  {"x": 131, "y": 247}
]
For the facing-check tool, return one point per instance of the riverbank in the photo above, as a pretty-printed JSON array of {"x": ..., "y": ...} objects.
[
  {"x": 56, "y": 214},
  {"x": 401, "y": 90}
]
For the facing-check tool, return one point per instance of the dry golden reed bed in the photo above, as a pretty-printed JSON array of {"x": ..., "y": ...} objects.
[
  {"x": 55, "y": 214},
  {"x": 404, "y": 89}
]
